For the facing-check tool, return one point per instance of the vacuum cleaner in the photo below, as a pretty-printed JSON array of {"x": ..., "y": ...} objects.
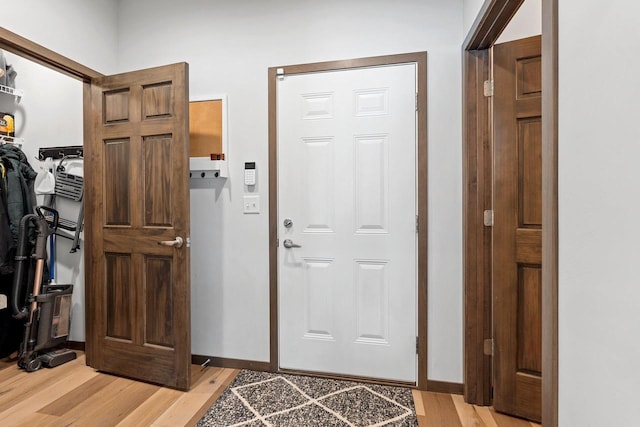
[{"x": 47, "y": 308}]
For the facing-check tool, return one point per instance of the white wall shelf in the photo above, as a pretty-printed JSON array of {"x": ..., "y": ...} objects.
[
  {"x": 11, "y": 140},
  {"x": 210, "y": 168},
  {"x": 11, "y": 91}
]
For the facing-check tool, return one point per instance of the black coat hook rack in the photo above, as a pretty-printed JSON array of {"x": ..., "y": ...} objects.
[{"x": 60, "y": 152}]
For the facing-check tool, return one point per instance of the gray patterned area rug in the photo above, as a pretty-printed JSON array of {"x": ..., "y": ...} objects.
[{"x": 256, "y": 399}]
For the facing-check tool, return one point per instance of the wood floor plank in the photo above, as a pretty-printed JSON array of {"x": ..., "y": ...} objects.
[
  {"x": 9, "y": 361},
  {"x": 151, "y": 409},
  {"x": 440, "y": 410},
  {"x": 417, "y": 402},
  {"x": 158, "y": 403},
  {"x": 31, "y": 403},
  {"x": 70, "y": 400},
  {"x": 113, "y": 410},
  {"x": 9, "y": 372},
  {"x": 183, "y": 409},
  {"x": 197, "y": 372},
  {"x": 180, "y": 413},
  {"x": 506, "y": 421},
  {"x": 207, "y": 375},
  {"x": 484, "y": 412},
  {"x": 223, "y": 381},
  {"x": 467, "y": 413},
  {"x": 92, "y": 402},
  {"x": 34, "y": 419},
  {"x": 26, "y": 384},
  {"x": 11, "y": 383}
]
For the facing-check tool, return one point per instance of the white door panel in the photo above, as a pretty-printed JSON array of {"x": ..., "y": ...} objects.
[{"x": 347, "y": 180}]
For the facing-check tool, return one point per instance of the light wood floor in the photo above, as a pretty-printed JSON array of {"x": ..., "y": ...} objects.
[
  {"x": 450, "y": 410},
  {"x": 75, "y": 394}
]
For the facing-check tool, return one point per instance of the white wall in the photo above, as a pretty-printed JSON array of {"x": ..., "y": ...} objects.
[
  {"x": 471, "y": 9},
  {"x": 81, "y": 30},
  {"x": 230, "y": 46},
  {"x": 526, "y": 22},
  {"x": 599, "y": 207}
]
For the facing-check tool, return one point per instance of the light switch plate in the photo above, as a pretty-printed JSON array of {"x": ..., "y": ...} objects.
[{"x": 251, "y": 204}]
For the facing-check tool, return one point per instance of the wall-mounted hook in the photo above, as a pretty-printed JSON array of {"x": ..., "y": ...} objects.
[{"x": 59, "y": 152}]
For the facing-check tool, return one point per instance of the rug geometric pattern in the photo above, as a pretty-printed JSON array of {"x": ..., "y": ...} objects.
[{"x": 258, "y": 399}]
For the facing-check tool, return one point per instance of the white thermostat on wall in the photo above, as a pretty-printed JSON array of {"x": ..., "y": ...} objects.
[{"x": 250, "y": 173}]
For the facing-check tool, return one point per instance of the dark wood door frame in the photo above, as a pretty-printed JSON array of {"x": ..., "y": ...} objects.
[
  {"x": 12, "y": 42},
  {"x": 477, "y": 171},
  {"x": 420, "y": 59}
]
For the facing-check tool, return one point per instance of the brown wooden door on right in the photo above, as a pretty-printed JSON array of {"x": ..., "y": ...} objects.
[{"x": 517, "y": 231}]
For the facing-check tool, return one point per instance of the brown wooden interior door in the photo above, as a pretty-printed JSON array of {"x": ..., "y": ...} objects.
[
  {"x": 137, "y": 171},
  {"x": 517, "y": 233}
]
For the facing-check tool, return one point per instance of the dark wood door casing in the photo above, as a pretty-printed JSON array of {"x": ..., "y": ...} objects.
[
  {"x": 517, "y": 233},
  {"x": 136, "y": 166},
  {"x": 477, "y": 178}
]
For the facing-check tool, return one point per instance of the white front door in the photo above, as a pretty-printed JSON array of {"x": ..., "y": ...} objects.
[{"x": 347, "y": 197}]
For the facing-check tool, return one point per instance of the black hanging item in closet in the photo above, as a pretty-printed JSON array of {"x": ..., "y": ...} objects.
[
  {"x": 21, "y": 197},
  {"x": 18, "y": 198},
  {"x": 6, "y": 240}
]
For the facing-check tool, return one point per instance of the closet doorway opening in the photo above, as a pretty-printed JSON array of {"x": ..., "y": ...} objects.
[{"x": 47, "y": 108}]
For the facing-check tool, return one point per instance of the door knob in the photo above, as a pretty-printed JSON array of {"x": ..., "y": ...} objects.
[
  {"x": 289, "y": 244},
  {"x": 175, "y": 243}
]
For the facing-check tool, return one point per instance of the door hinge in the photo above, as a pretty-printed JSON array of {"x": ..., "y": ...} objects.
[
  {"x": 280, "y": 73},
  {"x": 277, "y": 243},
  {"x": 488, "y": 218},
  {"x": 417, "y": 224},
  {"x": 417, "y": 345},
  {"x": 416, "y": 101},
  {"x": 488, "y": 347},
  {"x": 488, "y": 88}
]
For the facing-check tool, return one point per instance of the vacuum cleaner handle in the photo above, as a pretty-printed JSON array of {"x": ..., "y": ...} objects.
[
  {"x": 21, "y": 266},
  {"x": 22, "y": 258},
  {"x": 42, "y": 233}
]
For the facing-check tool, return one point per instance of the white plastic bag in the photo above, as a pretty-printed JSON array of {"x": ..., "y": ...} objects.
[{"x": 45, "y": 181}]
